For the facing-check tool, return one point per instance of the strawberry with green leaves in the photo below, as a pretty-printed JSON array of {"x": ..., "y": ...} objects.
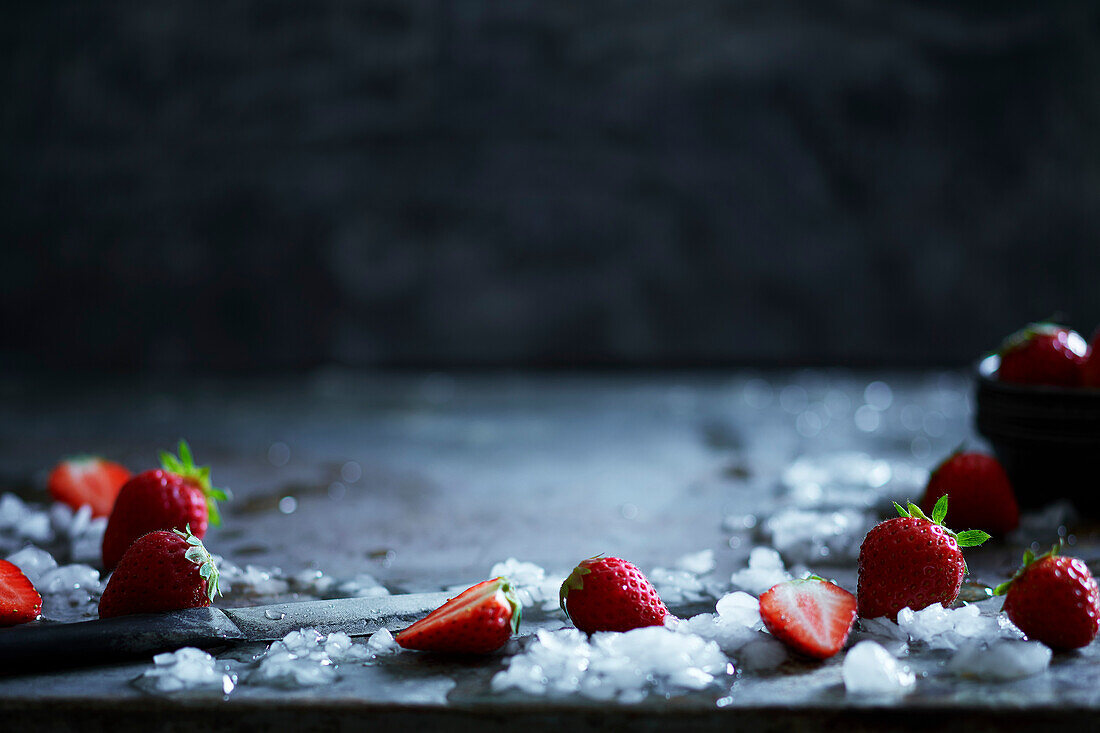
[
  {"x": 1043, "y": 353},
  {"x": 87, "y": 480},
  {"x": 175, "y": 496},
  {"x": 479, "y": 620},
  {"x": 1053, "y": 599},
  {"x": 812, "y": 616},
  {"x": 912, "y": 561},
  {"x": 161, "y": 571},
  {"x": 610, "y": 594},
  {"x": 19, "y": 601}
]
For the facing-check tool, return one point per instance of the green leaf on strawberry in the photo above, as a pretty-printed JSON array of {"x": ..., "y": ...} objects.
[
  {"x": 199, "y": 555},
  {"x": 185, "y": 466}
]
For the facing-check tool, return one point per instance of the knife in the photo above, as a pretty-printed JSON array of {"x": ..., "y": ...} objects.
[{"x": 49, "y": 646}]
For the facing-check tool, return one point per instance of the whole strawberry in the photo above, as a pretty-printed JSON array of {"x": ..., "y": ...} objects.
[
  {"x": 19, "y": 601},
  {"x": 980, "y": 492},
  {"x": 479, "y": 620},
  {"x": 912, "y": 561},
  {"x": 87, "y": 480},
  {"x": 173, "y": 497},
  {"x": 610, "y": 594},
  {"x": 1043, "y": 353},
  {"x": 1090, "y": 370},
  {"x": 161, "y": 571},
  {"x": 1053, "y": 599}
]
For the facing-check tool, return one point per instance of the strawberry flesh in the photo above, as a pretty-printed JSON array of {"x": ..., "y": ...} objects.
[
  {"x": 813, "y": 617},
  {"x": 479, "y": 620},
  {"x": 19, "y": 601},
  {"x": 88, "y": 480}
]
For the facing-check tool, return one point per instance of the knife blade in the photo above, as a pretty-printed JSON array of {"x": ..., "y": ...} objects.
[{"x": 43, "y": 646}]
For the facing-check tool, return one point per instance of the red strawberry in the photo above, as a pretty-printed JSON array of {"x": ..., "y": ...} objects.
[
  {"x": 1053, "y": 599},
  {"x": 981, "y": 495},
  {"x": 1042, "y": 353},
  {"x": 812, "y": 616},
  {"x": 177, "y": 496},
  {"x": 479, "y": 620},
  {"x": 912, "y": 561},
  {"x": 87, "y": 480},
  {"x": 162, "y": 571},
  {"x": 1090, "y": 370},
  {"x": 19, "y": 601},
  {"x": 609, "y": 594}
]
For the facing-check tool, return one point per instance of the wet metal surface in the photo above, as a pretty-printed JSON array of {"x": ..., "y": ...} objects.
[{"x": 425, "y": 481}]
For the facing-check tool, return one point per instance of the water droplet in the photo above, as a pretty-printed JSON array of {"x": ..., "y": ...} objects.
[
  {"x": 288, "y": 505},
  {"x": 274, "y": 615}
]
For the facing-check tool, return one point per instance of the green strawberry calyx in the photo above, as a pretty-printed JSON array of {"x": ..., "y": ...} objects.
[
  {"x": 509, "y": 592},
  {"x": 1027, "y": 333},
  {"x": 1030, "y": 558},
  {"x": 575, "y": 581},
  {"x": 966, "y": 538},
  {"x": 199, "y": 555},
  {"x": 185, "y": 466}
]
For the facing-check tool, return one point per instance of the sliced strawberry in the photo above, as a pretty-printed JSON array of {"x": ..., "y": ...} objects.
[
  {"x": 812, "y": 616},
  {"x": 479, "y": 620},
  {"x": 19, "y": 601},
  {"x": 88, "y": 480}
]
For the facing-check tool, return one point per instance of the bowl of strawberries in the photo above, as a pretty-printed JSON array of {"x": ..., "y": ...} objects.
[{"x": 1038, "y": 404}]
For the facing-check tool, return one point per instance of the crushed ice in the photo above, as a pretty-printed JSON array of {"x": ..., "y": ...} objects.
[
  {"x": 1000, "y": 660},
  {"x": 870, "y": 670},
  {"x": 613, "y": 666},
  {"x": 306, "y": 658},
  {"x": 533, "y": 586},
  {"x": 950, "y": 628},
  {"x": 69, "y": 592},
  {"x": 187, "y": 669},
  {"x": 765, "y": 569}
]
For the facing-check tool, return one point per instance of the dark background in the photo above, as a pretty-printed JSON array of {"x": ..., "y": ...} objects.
[{"x": 276, "y": 184}]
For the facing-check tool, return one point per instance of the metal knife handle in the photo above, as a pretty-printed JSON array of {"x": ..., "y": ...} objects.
[{"x": 46, "y": 646}]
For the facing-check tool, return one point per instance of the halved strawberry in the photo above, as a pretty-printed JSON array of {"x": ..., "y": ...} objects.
[
  {"x": 811, "y": 616},
  {"x": 19, "y": 601},
  {"x": 479, "y": 620},
  {"x": 87, "y": 480}
]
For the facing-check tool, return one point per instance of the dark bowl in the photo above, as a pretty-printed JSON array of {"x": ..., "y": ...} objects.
[{"x": 1047, "y": 438}]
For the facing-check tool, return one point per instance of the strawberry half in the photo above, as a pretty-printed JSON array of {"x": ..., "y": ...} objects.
[
  {"x": 479, "y": 620},
  {"x": 162, "y": 571},
  {"x": 812, "y": 616},
  {"x": 19, "y": 601},
  {"x": 912, "y": 561},
  {"x": 173, "y": 497},
  {"x": 87, "y": 480},
  {"x": 610, "y": 594},
  {"x": 981, "y": 494},
  {"x": 1053, "y": 599}
]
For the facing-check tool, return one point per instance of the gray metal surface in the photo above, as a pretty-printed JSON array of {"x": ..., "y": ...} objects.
[
  {"x": 425, "y": 481},
  {"x": 353, "y": 616}
]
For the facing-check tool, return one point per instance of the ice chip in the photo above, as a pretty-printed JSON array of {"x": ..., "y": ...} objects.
[
  {"x": 741, "y": 608},
  {"x": 306, "y": 658},
  {"x": 186, "y": 669},
  {"x": 677, "y": 586},
  {"x": 765, "y": 570},
  {"x": 868, "y": 669},
  {"x": 34, "y": 562},
  {"x": 363, "y": 586},
  {"x": 697, "y": 563},
  {"x": 948, "y": 628},
  {"x": 762, "y": 654},
  {"x": 1000, "y": 660},
  {"x": 382, "y": 643}
]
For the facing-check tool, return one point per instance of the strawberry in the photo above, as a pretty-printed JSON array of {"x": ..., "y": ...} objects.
[
  {"x": 175, "y": 496},
  {"x": 609, "y": 594},
  {"x": 479, "y": 620},
  {"x": 1090, "y": 370},
  {"x": 912, "y": 561},
  {"x": 981, "y": 495},
  {"x": 1053, "y": 599},
  {"x": 812, "y": 616},
  {"x": 87, "y": 480},
  {"x": 19, "y": 601},
  {"x": 1042, "y": 353},
  {"x": 161, "y": 571}
]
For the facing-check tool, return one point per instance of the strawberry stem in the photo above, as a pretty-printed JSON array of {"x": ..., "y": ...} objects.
[{"x": 185, "y": 466}]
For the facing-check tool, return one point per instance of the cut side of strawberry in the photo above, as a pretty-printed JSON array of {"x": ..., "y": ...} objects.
[
  {"x": 88, "y": 480},
  {"x": 813, "y": 617},
  {"x": 19, "y": 601},
  {"x": 479, "y": 620}
]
